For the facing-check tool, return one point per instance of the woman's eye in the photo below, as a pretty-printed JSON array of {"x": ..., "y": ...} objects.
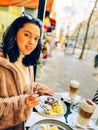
[
  {"x": 36, "y": 39},
  {"x": 27, "y": 35}
]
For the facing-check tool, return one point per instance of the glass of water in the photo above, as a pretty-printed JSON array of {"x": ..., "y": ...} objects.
[{"x": 74, "y": 106}]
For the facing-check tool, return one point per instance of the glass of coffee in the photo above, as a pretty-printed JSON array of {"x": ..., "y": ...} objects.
[
  {"x": 73, "y": 89},
  {"x": 85, "y": 112}
]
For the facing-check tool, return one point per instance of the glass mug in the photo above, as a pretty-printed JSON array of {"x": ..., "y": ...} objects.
[
  {"x": 86, "y": 110},
  {"x": 73, "y": 89}
]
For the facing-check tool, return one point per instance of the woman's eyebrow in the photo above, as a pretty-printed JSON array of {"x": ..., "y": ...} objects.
[
  {"x": 27, "y": 31},
  {"x": 31, "y": 33}
]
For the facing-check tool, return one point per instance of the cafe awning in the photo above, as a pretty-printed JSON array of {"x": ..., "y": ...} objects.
[{"x": 26, "y": 3}]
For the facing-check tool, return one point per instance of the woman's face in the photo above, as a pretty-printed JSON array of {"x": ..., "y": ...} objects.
[{"x": 27, "y": 38}]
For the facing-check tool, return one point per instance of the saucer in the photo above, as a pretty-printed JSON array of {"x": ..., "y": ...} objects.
[
  {"x": 72, "y": 121},
  {"x": 66, "y": 98}
]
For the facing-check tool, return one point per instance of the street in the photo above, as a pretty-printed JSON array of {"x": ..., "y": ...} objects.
[{"x": 62, "y": 67}]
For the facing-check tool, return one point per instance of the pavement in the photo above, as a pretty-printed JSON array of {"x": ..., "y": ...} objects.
[{"x": 63, "y": 66}]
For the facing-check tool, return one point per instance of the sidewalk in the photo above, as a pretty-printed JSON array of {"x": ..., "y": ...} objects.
[{"x": 62, "y": 67}]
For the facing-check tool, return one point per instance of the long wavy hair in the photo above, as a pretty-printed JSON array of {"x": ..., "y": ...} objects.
[{"x": 10, "y": 47}]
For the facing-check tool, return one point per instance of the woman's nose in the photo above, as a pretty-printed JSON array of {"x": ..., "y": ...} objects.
[{"x": 32, "y": 41}]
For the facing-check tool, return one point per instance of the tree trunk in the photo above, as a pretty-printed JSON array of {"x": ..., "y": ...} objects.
[
  {"x": 77, "y": 39},
  {"x": 88, "y": 24}
]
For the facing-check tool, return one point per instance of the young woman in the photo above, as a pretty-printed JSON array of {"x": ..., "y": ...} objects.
[{"x": 18, "y": 91}]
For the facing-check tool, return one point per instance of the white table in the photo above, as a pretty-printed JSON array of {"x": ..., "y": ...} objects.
[{"x": 35, "y": 116}]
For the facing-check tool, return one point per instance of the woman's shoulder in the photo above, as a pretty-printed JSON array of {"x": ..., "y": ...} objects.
[
  {"x": 2, "y": 57},
  {"x": 4, "y": 61},
  {"x": 1, "y": 53}
]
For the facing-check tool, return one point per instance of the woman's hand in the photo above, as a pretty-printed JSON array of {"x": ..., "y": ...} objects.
[
  {"x": 32, "y": 100},
  {"x": 43, "y": 90},
  {"x": 46, "y": 91}
]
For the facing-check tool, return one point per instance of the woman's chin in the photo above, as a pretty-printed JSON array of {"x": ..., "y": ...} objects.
[{"x": 27, "y": 53}]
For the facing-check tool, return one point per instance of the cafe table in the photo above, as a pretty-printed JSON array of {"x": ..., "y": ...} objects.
[{"x": 35, "y": 116}]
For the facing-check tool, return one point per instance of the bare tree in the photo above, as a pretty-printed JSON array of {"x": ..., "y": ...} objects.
[
  {"x": 77, "y": 38},
  {"x": 88, "y": 24}
]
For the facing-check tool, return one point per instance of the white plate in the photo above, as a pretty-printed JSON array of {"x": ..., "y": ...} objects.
[
  {"x": 41, "y": 110},
  {"x": 72, "y": 121},
  {"x": 50, "y": 122}
]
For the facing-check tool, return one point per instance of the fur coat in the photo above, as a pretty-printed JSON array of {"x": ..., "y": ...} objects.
[{"x": 13, "y": 109}]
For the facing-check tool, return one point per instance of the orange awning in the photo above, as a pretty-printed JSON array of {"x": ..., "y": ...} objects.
[{"x": 26, "y": 3}]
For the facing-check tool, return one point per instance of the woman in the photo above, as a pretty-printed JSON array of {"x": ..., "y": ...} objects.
[{"x": 18, "y": 91}]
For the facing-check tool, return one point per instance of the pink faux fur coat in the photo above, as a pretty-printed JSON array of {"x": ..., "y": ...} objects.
[{"x": 13, "y": 109}]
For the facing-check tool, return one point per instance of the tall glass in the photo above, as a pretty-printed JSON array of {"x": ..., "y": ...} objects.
[
  {"x": 85, "y": 112},
  {"x": 73, "y": 89}
]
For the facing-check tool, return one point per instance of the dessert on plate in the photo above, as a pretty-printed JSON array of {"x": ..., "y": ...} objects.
[
  {"x": 47, "y": 127},
  {"x": 53, "y": 106}
]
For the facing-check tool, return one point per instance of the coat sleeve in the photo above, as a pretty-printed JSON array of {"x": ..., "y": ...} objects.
[{"x": 13, "y": 111}]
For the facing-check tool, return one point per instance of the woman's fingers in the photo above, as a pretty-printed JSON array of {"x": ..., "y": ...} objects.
[
  {"x": 32, "y": 100},
  {"x": 48, "y": 92},
  {"x": 33, "y": 104},
  {"x": 36, "y": 92}
]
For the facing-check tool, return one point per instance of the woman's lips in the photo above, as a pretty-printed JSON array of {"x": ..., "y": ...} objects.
[{"x": 29, "y": 48}]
